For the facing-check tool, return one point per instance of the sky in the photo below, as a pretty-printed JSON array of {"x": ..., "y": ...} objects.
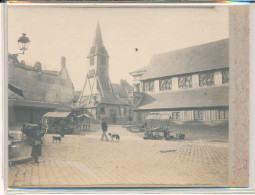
[{"x": 69, "y": 32}]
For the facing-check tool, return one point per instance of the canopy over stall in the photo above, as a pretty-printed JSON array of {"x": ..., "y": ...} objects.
[
  {"x": 85, "y": 115},
  {"x": 158, "y": 119},
  {"x": 159, "y": 115},
  {"x": 58, "y": 122},
  {"x": 159, "y": 128},
  {"x": 84, "y": 121}
]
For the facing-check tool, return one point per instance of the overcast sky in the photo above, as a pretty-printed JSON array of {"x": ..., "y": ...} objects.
[{"x": 69, "y": 32}]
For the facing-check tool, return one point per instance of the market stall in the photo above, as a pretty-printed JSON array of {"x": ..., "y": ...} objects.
[
  {"x": 59, "y": 122},
  {"x": 84, "y": 121},
  {"x": 157, "y": 126}
]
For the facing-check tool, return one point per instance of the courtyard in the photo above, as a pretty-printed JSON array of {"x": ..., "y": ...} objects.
[{"x": 85, "y": 161}]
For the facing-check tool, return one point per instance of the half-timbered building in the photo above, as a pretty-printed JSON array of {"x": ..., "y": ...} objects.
[{"x": 190, "y": 84}]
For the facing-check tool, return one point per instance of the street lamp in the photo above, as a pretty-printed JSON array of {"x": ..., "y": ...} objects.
[{"x": 23, "y": 42}]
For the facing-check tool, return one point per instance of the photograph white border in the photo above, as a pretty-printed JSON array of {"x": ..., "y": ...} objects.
[{"x": 169, "y": 190}]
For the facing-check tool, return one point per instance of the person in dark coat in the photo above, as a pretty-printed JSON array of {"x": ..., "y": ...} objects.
[
  {"x": 104, "y": 127},
  {"x": 36, "y": 147}
]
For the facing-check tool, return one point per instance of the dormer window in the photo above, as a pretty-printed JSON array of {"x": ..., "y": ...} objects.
[
  {"x": 206, "y": 79},
  {"x": 148, "y": 86},
  {"x": 92, "y": 60},
  {"x": 185, "y": 81},
  {"x": 165, "y": 84}
]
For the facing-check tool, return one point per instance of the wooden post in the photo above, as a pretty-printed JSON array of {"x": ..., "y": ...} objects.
[
  {"x": 83, "y": 89},
  {"x": 91, "y": 91},
  {"x": 100, "y": 87}
]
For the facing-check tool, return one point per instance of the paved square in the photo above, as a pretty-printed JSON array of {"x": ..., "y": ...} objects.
[{"x": 84, "y": 160}]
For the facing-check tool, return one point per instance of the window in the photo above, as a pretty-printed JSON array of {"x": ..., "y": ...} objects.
[
  {"x": 185, "y": 81},
  {"x": 148, "y": 86},
  {"x": 176, "y": 116},
  {"x": 92, "y": 60},
  {"x": 223, "y": 114},
  {"x": 91, "y": 73},
  {"x": 198, "y": 115},
  {"x": 102, "y": 110},
  {"x": 225, "y": 76},
  {"x": 206, "y": 79},
  {"x": 165, "y": 84}
]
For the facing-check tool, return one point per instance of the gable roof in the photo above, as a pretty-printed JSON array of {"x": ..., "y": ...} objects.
[
  {"x": 121, "y": 90},
  {"x": 191, "y": 98},
  {"x": 209, "y": 56}
]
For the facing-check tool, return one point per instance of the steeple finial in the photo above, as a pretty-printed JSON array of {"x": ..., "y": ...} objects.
[{"x": 98, "y": 38}]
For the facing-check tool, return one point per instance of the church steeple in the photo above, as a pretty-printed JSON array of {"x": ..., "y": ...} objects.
[
  {"x": 98, "y": 46},
  {"x": 98, "y": 38},
  {"x": 97, "y": 94}
]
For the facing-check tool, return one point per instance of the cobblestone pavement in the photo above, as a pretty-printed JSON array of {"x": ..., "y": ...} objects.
[{"x": 84, "y": 160}]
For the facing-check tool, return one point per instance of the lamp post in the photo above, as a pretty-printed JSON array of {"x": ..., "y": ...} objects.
[{"x": 23, "y": 42}]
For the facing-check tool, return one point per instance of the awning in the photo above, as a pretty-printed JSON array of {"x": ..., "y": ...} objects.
[
  {"x": 57, "y": 114},
  {"x": 159, "y": 116},
  {"x": 16, "y": 90}
]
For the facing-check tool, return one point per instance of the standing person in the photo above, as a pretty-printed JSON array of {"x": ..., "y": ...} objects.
[
  {"x": 104, "y": 127},
  {"x": 36, "y": 147}
]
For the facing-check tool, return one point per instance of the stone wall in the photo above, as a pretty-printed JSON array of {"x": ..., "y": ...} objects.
[{"x": 40, "y": 85}]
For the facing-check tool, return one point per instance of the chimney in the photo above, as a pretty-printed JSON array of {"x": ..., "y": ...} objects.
[
  {"x": 38, "y": 66},
  {"x": 63, "y": 62}
]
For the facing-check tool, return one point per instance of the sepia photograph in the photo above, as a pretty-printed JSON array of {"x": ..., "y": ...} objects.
[{"x": 127, "y": 97}]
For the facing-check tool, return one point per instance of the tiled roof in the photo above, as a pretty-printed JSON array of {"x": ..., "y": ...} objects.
[
  {"x": 24, "y": 66},
  {"x": 189, "y": 98},
  {"x": 119, "y": 91},
  {"x": 209, "y": 56},
  {"x": 93, "y": 104},
  {"x": 143, "y": 69}
]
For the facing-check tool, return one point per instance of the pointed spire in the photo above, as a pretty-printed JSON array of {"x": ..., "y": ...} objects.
[
  {"x": 98, "y": 38},
  {"x": 98, "y": 46}
]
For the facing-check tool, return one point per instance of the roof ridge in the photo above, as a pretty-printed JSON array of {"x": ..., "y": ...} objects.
[{"x": 184, "y": 48}]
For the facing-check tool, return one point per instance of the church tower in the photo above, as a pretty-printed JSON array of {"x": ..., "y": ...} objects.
[{"x": 97, "y": 87}]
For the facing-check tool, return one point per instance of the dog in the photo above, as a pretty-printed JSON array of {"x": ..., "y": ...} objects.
[
  {"x": 114, "y": 136},
  {"x": 56, "y": 138}
]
